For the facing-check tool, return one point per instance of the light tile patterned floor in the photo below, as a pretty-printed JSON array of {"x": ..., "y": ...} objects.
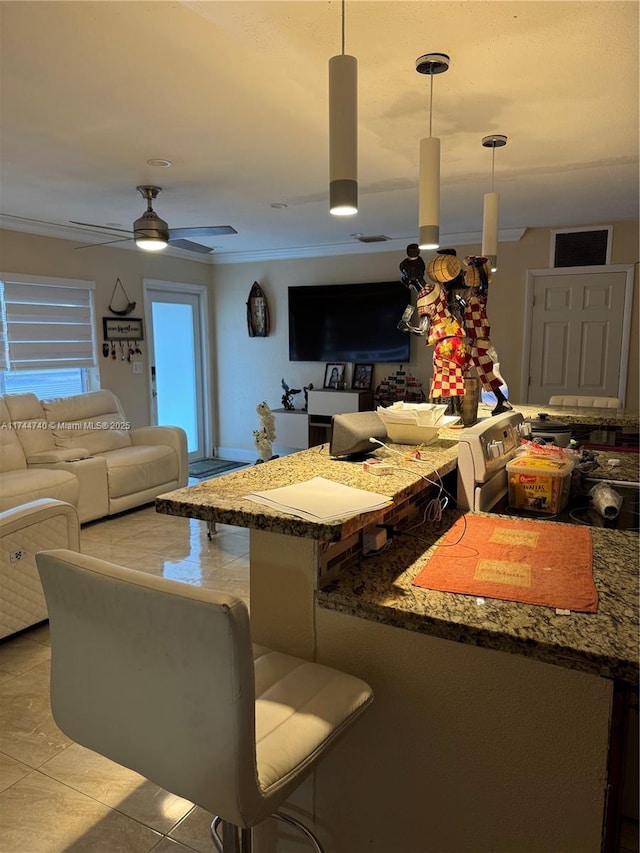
[{"x": 58, "y": 797}]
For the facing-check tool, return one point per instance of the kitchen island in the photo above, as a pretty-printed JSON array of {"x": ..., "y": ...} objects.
[{"x": 490, "y": 725}]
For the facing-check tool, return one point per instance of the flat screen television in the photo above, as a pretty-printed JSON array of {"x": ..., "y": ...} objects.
[{"x": 348, "y": 322}]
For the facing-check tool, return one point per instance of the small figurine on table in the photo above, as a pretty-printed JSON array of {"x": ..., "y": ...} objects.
[
  {"x": 287, "y": 402},
  {"x": 478, "y": 278}
]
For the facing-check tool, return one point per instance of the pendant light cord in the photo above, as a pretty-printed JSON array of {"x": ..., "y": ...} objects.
[
  {"x": 493, "y": 164},
  {"x": 343, "y": 16},
  {"x": 430, "y": 102}
]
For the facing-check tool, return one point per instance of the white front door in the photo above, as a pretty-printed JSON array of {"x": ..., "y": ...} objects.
[
  {"x": 177, "y": 332},
  {"x": 577, "y": 332}
]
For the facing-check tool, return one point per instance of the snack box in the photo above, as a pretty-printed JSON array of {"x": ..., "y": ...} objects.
[{"x": 538, "y": 484}]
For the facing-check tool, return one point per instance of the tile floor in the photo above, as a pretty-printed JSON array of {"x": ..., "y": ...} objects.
[{"x": 57, "y": 796}]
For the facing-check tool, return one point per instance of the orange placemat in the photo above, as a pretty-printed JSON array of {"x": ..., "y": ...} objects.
[{"x": 532, "y": 563}]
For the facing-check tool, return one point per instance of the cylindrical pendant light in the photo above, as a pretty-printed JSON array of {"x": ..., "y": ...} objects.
[
  {"x": 343, "y": 132},
  {"x": 429, "y": 180},
  {"x": 491, "y": 206}
]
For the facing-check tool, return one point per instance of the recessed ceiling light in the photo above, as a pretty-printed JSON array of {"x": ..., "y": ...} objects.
[
  {"x": 278, "y": 205},
  {"x": 157, "y": 161}
]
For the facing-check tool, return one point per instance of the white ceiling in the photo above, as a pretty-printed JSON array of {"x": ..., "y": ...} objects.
[{"x": 234, "y": 94}]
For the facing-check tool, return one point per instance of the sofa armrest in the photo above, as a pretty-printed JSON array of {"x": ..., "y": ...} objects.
[
  {"x": 58, "y": 454},
  {"x": 172, "y": 436},
  {"x": 19, "y": 517}
]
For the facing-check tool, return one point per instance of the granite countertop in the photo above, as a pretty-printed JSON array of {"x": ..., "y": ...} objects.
[
  {"x": 379, "y": 588},
  {"x": 577, "y": 414},
  {"x": 223, "y": 499},
  {"x": 626, "y": 471}
]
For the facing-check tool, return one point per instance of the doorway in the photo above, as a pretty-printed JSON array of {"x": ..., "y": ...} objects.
[
  {"x": 177, "y": 320},
  {"x": 577, "y": 332}
]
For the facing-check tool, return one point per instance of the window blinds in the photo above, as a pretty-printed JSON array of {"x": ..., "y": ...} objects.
[{"x": 46, "y": 324}]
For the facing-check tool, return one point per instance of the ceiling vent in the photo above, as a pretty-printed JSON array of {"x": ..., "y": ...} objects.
[
  {"x": 373, "y": 238},
  {"x": 581, "y": 247}
]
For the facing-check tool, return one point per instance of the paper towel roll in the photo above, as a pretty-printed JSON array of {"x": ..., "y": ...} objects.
[{"x": 606, "y": 501}]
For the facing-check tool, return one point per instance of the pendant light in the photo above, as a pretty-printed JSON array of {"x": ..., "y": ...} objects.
[
  {"x": 491, "y": 205},
  {"x": 429, "y": 181},
  {"x": 343, "y": 132}
]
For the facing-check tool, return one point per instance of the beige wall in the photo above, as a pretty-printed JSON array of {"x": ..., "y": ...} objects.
[
  {"x": 247, "y": 370},
  {"x": 257, "y": 365},
  {"x": 46, "y": 256}
]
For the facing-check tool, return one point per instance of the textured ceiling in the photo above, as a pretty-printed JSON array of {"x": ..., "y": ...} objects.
[{"x": 234, "y": 94}]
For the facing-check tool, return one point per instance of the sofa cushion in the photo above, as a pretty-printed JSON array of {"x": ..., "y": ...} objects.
[
  {"x": 94, "y": 421},
  {"x": 20, "y": 487},
  {"x": 134, "y": 469},
  {"x": 12, "y": 456},
  {"x": 29, "y": 423}
]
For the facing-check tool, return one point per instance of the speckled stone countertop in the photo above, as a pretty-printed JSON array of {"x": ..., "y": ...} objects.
[
  {"x": 605, "y": 643},
  {"x": 578, "y": 414},
  {"x": 223, "y": 499}
]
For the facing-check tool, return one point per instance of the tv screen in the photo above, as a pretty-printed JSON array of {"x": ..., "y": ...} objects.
[{"x": 348, "y": 322}]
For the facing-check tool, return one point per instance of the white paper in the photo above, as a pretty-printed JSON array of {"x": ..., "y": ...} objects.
[{"x": 320, "y": 499}]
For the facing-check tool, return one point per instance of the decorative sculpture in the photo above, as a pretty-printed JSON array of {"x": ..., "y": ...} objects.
[
  {"x": 288, "y": 394},
  {"x": 266, "y": 435},
  {"x": 444, "y": 333},
  {"x": 478, "y": 277}
]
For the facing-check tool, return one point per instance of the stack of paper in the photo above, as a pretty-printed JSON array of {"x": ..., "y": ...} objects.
[{"x": 320, "y": 500}]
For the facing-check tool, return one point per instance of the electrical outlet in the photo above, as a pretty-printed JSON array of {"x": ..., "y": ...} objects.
[
  {"x": 16, "y": 556},
  {"x": 137, "y": 367}
]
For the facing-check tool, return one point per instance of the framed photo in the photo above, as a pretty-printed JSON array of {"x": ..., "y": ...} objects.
[
  {"x": 362, "y": 377},
  {"x": 122, "y": 329},
  {"x": 334, "y": 375}
]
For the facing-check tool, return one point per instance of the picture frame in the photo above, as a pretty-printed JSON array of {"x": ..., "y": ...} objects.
[
  {"x": 122, "y": 329},
  {"x": 362, "y": 377},
  {"x": 334, "y": 375}
]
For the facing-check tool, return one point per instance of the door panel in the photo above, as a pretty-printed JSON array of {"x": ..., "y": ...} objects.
[
  {"x": 175, "y": 320},
  {"x": 578, "y": 332}
]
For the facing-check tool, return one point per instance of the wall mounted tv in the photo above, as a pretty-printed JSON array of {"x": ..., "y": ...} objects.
[{"x": 348, "y": 322}]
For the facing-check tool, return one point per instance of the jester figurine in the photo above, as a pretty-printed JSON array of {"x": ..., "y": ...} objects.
[
  {"x": 445, "y": 333},
  {"x": 478, "y": 277}
]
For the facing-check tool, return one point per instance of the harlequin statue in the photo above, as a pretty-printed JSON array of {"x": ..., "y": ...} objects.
[
  {"x": 445, "y": 333},
  {"x": 478, "y": 277}
]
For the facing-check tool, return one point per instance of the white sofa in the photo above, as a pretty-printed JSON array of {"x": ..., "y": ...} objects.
[
  {"x": 25, "y": 530},
  {"x": 81, "y": 449}
]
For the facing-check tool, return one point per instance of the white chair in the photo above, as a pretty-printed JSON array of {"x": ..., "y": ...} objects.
[
  {"x": 161, "y": 677},
  {"x": 592, "y": 402}
]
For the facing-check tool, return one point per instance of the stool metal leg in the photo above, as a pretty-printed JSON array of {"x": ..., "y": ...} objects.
[
  {"x": 285, "y": 818},
  {"x": 234, "y": 839}
]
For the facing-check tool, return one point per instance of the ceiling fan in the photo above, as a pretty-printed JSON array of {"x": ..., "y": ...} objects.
[{"x": 153, "y": 234}]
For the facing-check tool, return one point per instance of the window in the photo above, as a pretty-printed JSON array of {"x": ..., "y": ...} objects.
[{"x": 47, "y": 338}]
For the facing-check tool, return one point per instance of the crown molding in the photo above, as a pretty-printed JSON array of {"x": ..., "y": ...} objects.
[{"x": 355, "y": 247}]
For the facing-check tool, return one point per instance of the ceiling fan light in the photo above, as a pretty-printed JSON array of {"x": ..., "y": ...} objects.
[
  {"x": 150, "y": 232},
  {"x": 151, "y": 244}
]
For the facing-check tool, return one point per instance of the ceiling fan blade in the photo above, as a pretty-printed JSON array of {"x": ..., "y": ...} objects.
[
  {"x": 189, "y": 246},
  {"x": 106, "y": 243},
  {"x": 102, "y": 227},
  {"x": 195, "y": 233}
]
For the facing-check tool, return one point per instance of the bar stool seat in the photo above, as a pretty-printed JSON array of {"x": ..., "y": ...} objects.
[{"x": 161, "y": 677}]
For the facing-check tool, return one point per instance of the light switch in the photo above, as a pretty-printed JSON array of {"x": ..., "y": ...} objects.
[{"x": 137, "y": 367}]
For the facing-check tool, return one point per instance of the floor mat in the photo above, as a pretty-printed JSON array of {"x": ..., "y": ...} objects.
[
  {"x": 205, "y": 468},
  {"x": 529, "y": 562}
]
